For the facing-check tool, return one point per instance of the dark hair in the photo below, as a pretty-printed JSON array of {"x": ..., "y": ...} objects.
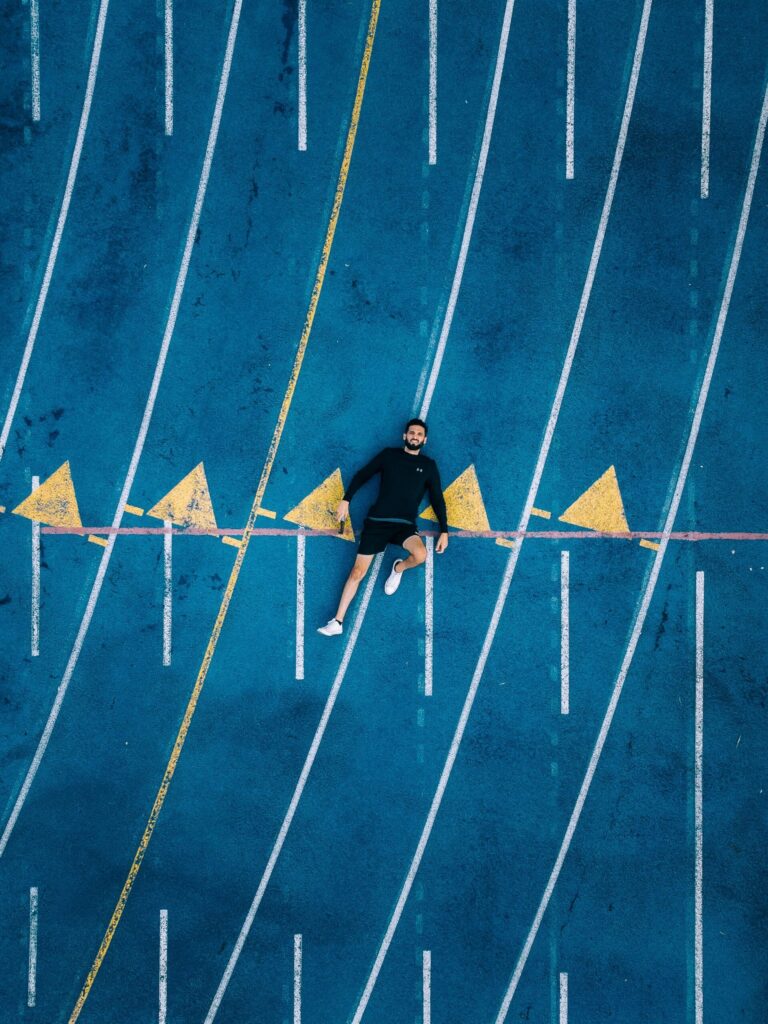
[{"x": 416, "y": 423}]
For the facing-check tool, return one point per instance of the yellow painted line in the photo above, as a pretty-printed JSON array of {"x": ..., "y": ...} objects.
[
  {"x": 649, "y": 544},
  {"x": 134, "y": 510},
  {"x": 232, "y": 541},
  {"x": 97, "y": 540},
  {"x": 265, "y": 512},
  {"x": 504, "y": 542},
  {"x": 541, "y": 513},
  {"x": 238, "y": 563}
]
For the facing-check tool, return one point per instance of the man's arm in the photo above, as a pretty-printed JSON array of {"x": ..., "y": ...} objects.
[
  {"x": 364, "y": 475},
  {"x": 437, "y": 500}
]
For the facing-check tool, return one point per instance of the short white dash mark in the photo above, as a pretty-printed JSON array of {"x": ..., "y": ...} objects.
[
  {"x": 163, "y": 974},
  {"x": 706, "y": 104},
  {"x": 34, "y": 36},
  {"x": 433, "y": 81},
  {"x": 297, "y": 958},
  {"x": 301, "y": 542},
  {"x": 570, "y": 105},
  {"x": 167, "y": 591},
  {"x": 169, "y": 67},
  {"x": 429, "y": 585},
  {"x": 35, "y": 630},
  {"x": 302, "y": 43},
  {"x": 565, "y": 633}
]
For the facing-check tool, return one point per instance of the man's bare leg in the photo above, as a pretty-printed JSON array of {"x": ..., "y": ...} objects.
[
  {"x": 417, "y": 554},
  {"x": 358, "y": 571}
]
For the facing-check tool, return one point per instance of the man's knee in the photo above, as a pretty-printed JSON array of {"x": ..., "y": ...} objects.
[
  {"x": 358, "y": 571},
  {"x": 419, "y": 554}
]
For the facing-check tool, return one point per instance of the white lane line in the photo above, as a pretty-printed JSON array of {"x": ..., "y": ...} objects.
[
  {"x": 245, "y": 930},
  {"x": 429, "y": 593},
  {"x": 565, "y": 633},
  {"x": 247, "y": 924},
  {"x": 698, "y": 934},
  {"x": 35, "y": 624},
  {"x": 297, "y": 958},
  {"x": 706, "y": 105},
  {"x": 34, "y": 40},
  {"x": 163, "y": 972},
  {"x": 297, "y": 793},
  {"x": 169, "y": 67},
  {"x": 32, "y": 971},
  {"x": 167, "y": 591},
  {"x": 522, "y": 527},
  {"x": 642, "y": 611},
  {"x": 563, "y": 998},
  {"x": 422, "y": 394},
  {"x": 302, "y": 62},
  {"x": 433, "y": 81},
  {"x": 139, "y": 446},
  {"x": 426, "y": 985},
  {"x": 61, "y": 221},
  {"x": 301, "y": 545},
  {"x": 570, "y": 105}
]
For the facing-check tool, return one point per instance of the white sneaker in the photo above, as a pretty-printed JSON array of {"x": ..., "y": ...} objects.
[
  {"x": 393, "y": 580},
  {"x": 331, "y": 628}
]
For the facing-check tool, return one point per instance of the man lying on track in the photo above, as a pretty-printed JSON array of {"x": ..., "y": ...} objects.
[{"x": 406, "y": 474}]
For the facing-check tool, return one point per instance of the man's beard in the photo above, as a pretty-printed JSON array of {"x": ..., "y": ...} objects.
[{"x": 414, "y": 446}]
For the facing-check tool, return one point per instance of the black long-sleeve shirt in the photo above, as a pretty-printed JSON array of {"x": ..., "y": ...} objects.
[{"x": 404, "y": 481}]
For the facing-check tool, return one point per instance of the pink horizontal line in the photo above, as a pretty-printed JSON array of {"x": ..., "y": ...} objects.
[{"x": 276, "y": 531}]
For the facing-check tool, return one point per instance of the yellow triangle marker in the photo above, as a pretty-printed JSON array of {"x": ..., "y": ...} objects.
[
  {"x": 188, "y": 503},
  {"x": 600, "y": 507},
  {"x": 318, "y": 510},
  {"x": 464, "y": 503},
  {"x": 54, "y": 502}
]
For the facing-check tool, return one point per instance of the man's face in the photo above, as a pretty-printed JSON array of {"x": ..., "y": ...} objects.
[{"x": 415, "y": 438}]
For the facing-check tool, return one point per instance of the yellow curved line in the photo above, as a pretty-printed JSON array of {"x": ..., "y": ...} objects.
[{"x": 255, "y": 508}]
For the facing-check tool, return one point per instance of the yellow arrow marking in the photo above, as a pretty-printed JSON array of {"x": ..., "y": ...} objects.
[
  {"x": 600, "y": 507},
  {"x": 464, "y": 503},
  {"x": 54, "y": 502},
  {"x": 134, "y": 510},
  {"x": 188, "y": 503},
  {"x": 318, "y": 510}
]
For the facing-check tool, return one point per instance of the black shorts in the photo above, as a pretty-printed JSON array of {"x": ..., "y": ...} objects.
[{"x": 376, "y": 535}]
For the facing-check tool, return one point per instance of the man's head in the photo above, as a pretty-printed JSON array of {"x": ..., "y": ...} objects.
[{"x": 415, "y": 435}]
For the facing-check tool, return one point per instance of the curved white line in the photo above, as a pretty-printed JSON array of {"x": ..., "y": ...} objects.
[
  {"x": 469, "y": 224},
  {"x": 139, "y": 446},
  {"x": 515, "y": 553},
  {"x": 297, "y": 793},
  {"x": 331, "y": 699},
  {"x": 61, "y": 221},
  {"x": 655, "y": 570}
]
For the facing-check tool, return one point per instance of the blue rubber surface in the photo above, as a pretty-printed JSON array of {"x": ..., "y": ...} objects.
[{"x": 620, "y": 922}]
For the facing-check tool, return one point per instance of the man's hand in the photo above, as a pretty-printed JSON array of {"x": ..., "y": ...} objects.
[
  {"x": 442, "y": 543},
  {"x": 342, "y": 511}
]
